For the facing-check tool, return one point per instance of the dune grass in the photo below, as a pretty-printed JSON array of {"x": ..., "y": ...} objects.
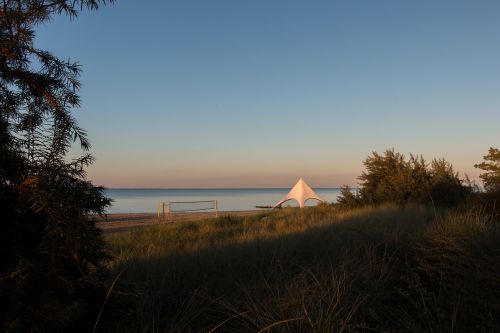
[{"x": 310, "y": 270}]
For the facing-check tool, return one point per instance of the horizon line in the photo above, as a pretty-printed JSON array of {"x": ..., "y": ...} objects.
[{"x": 209, "y": 188}]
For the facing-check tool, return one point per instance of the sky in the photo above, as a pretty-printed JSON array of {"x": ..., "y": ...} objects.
[{"x": 235, "y": 93}]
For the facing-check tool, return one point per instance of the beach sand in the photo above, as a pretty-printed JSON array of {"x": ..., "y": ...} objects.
[{"x": 112, "y": 223}]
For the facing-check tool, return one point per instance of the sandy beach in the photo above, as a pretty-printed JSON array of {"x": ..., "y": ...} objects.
[{"x": 122, "y": 222}]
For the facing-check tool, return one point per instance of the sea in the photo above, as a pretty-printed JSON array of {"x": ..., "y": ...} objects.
[{"x": 147, "y": 200}]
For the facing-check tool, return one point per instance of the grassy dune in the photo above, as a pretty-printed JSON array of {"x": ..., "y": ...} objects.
[{"x": 311, "y": 270}]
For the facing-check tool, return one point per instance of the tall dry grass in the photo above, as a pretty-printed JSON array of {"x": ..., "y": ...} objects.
[{"x": 311, "y": 270}]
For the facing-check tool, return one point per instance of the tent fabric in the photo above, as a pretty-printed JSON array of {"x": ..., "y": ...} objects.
[{"x": 300, "y": 192}]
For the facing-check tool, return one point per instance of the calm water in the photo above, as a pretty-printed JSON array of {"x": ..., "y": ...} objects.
[{"x": 146, "y": 200}]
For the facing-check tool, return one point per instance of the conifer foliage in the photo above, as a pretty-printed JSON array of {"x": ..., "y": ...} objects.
[
  {"x": 52, "y": 253},
  {"x": 491, "y": 164},
  {"x": 489, "y": 199}
]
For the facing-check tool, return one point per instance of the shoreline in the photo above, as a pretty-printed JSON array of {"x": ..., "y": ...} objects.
[{"x": 118, "y": 222}]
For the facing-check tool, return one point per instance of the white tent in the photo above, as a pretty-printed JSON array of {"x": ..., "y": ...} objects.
[{"x": 300, "y": 192}]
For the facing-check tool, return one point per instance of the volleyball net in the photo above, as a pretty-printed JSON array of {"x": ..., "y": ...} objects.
[{"x": 168, "y": 208}]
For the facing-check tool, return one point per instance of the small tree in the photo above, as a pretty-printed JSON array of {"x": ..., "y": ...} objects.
[
  {"x": 51, "y": 251},
  {"x": 491, "y": 164}
]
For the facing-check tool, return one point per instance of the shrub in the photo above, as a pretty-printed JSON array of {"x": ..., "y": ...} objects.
[{"x": 392, "y": 178}]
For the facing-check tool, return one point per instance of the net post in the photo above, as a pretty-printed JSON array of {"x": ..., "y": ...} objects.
[
  {"x": 163, "y": 210},
  {"x": 216, "y": 210},
  {"x": 160, "y": 211}
]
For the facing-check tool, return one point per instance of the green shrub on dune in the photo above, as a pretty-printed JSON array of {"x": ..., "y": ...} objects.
[{"x": 391, "y": 178}]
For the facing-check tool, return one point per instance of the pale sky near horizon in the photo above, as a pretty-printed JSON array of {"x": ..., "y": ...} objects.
[{"x": 260, "y": 93}]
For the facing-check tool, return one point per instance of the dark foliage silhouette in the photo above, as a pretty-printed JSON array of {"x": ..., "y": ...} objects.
[{"x": 52, "y": 253}]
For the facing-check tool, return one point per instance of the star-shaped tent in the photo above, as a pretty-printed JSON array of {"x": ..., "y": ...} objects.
[{"x": 300, "y": 192}]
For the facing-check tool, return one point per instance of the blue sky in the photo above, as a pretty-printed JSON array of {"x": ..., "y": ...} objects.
[{"x": 260, "y": 93}]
